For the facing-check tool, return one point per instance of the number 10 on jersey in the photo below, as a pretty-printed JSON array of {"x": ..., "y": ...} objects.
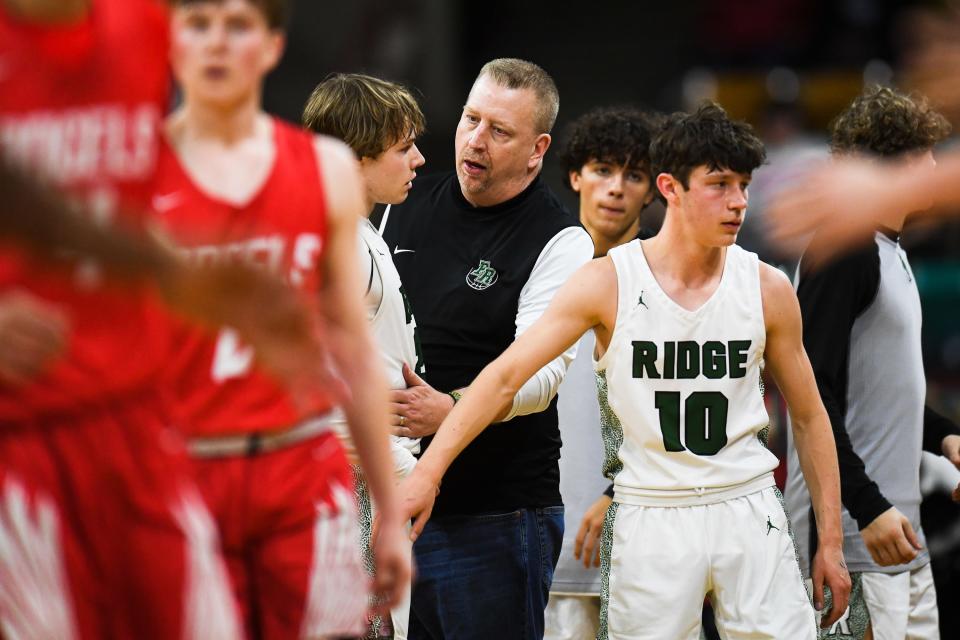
[{"x": 704, "y": 424}]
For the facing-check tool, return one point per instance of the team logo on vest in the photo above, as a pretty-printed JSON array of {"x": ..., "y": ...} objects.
[{"x": 483, "y": 276}]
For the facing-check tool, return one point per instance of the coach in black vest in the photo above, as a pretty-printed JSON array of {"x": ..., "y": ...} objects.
[{"x": 481, "y": 251}]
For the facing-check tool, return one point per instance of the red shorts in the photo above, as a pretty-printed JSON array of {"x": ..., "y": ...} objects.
[
  {"x": 103, "y": 534},
  {"x": 288, "y": 525}
]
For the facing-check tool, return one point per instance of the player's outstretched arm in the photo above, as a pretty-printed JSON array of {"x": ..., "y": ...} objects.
[
  {"x": 260, "y": 306},
  {"x": 788, "y": 362},
  {"x": 846, "y": 199},
  {"x": 357, "y": 360},
  {"x": 588, "y": 299}
]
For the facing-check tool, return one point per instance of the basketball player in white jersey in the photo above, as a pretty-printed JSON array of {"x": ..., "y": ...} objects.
[
  {"x": 683, "y": 322},
  {"x": 380, "y": 121}
]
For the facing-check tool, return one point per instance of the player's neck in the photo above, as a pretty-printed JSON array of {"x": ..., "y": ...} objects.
[
  {"x": 214, "y": 122},
  {"x": 673, "y": 251},
  {"x": 602, "y": 244},
  {"x": 48, "y": 11}
]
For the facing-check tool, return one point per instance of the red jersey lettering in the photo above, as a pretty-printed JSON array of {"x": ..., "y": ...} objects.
[{"x": 218, "y": 386}]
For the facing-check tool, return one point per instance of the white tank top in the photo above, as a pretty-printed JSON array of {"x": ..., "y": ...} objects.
[
  {"x": 391, "y": 322},
  {"x": 681, "y": 397}
]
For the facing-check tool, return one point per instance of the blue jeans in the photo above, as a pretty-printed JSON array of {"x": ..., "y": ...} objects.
[{"x": 485, "y": 576}]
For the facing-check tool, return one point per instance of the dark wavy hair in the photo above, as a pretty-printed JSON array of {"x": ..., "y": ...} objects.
[
  {"x": 618, "y": 135},
  {"x": 706, "y": 137},
  {"x": 885, "y": 122}
]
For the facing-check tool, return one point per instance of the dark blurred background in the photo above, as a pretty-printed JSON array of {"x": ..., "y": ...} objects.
[{"x": 786, "y": 66}]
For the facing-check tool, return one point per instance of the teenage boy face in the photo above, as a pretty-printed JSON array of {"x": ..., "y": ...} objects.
[
  {"x": 611, "y": 197},
  {"x": 221, "y": 51},
  {"x": 389, "y": 176},
  {"x": 712, "y": 208}
]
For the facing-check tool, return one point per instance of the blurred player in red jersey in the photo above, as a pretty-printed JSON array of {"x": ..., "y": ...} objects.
[
  {"x": 236, "y": 184},
  {"x": 103, "y": 534}
]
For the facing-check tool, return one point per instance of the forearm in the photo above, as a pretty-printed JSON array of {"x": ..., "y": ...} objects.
[
  {"x": 486, "y": 401},
  {"x": 39, "y": 219},
  {"x": 536, "y": 393},
  {"x": 818, "y": 460}
]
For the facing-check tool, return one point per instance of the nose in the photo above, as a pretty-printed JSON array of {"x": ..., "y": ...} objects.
[
  {"x": 477, "y": 139},
  {"x": 418, "y": 159},
  {"x": 615, "y": 184},
  {"x": 738, "y": 200},
  {"x": 216, "y": 36}
]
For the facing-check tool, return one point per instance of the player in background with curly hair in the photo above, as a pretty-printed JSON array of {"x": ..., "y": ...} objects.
[{"x": 861, "y": 315}]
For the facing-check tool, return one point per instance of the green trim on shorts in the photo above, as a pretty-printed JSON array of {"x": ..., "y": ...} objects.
[
  {"x": 365, "y": 518},
  {"x": 854, "y": 623},
  {"x": 611, "y": 431},
  {"x": 606, "y": 551}
]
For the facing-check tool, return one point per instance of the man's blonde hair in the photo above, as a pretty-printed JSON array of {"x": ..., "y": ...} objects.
[
  {"x": 367, "y": 113},
  {"x": 514, "y": 73}
]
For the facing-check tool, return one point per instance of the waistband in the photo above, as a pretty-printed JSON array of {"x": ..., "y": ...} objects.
[
  {"x": 251, "y": 444},
  {"x": 690, "y": 497}
]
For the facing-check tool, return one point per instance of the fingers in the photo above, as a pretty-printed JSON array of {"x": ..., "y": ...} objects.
[
  {"x": 912, "y": 538},
  {"x": 591, "y": 550},
  {"x": 956, "y": 494},
  {"x": 411, "y": 378},
  {"x": 817, "y": 588},
  {"x": 841, "y": 599},
  {"x": 418, "y": 524},
  {"x": 578, "y": 542}
]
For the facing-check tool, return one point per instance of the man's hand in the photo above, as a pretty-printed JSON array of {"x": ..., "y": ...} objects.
[
  {"x": 891, "y": 539},
  {"x": 393, "y": 572},
  {"x": 419, "y": 409},
  {"x": 586, "y": 547},
  {"x": 829, "y": 569},
  {"x": 417, "y": 495},
  {"x": 32, "y": 333}
]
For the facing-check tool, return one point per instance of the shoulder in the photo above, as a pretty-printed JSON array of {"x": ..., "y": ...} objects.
[
  {"x": 340, "y": 176},
  {"x": 553, "y": 209},
  {"x": 774, "y": 284}
]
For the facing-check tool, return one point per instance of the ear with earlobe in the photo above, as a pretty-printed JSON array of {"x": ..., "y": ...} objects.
[
  {"x": 540, "y": 147},
  {"x": 668, "y": 186}
]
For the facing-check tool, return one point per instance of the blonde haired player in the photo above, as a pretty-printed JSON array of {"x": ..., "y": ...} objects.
[
  {"x": 380, "y": 121},
  {"x": 683, "y": 322}
]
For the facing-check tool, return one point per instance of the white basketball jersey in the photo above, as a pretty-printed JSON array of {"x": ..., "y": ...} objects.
[
  {"x": 391, "y": 319},
  {"x": 680, "y": 392}
]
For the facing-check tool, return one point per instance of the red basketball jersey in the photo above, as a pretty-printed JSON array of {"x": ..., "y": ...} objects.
[
  {"x": 218, "y": 387},
  {"x": 81, "y": 105}
]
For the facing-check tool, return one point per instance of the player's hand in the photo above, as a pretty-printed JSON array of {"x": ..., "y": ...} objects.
[
  {"x": 393, "y": 570},
  {"x": 830, "y": 569},
  {"x": 890, "y": 539},
  {"x": 418, "y": 410},
  {"x": 586, "y": 547},
  {"x": 32, "y": 333},
  {"x": 951, "y": 451},
  {"x": 417, "y": 494},
  {"x": 267, "y": 313},
  {"x": 842, "y": 199}
]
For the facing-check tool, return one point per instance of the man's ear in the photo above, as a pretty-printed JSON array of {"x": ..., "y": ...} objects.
[
  {"x": 574, "y": 177},
  {"x": 540, "y": 146}
]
